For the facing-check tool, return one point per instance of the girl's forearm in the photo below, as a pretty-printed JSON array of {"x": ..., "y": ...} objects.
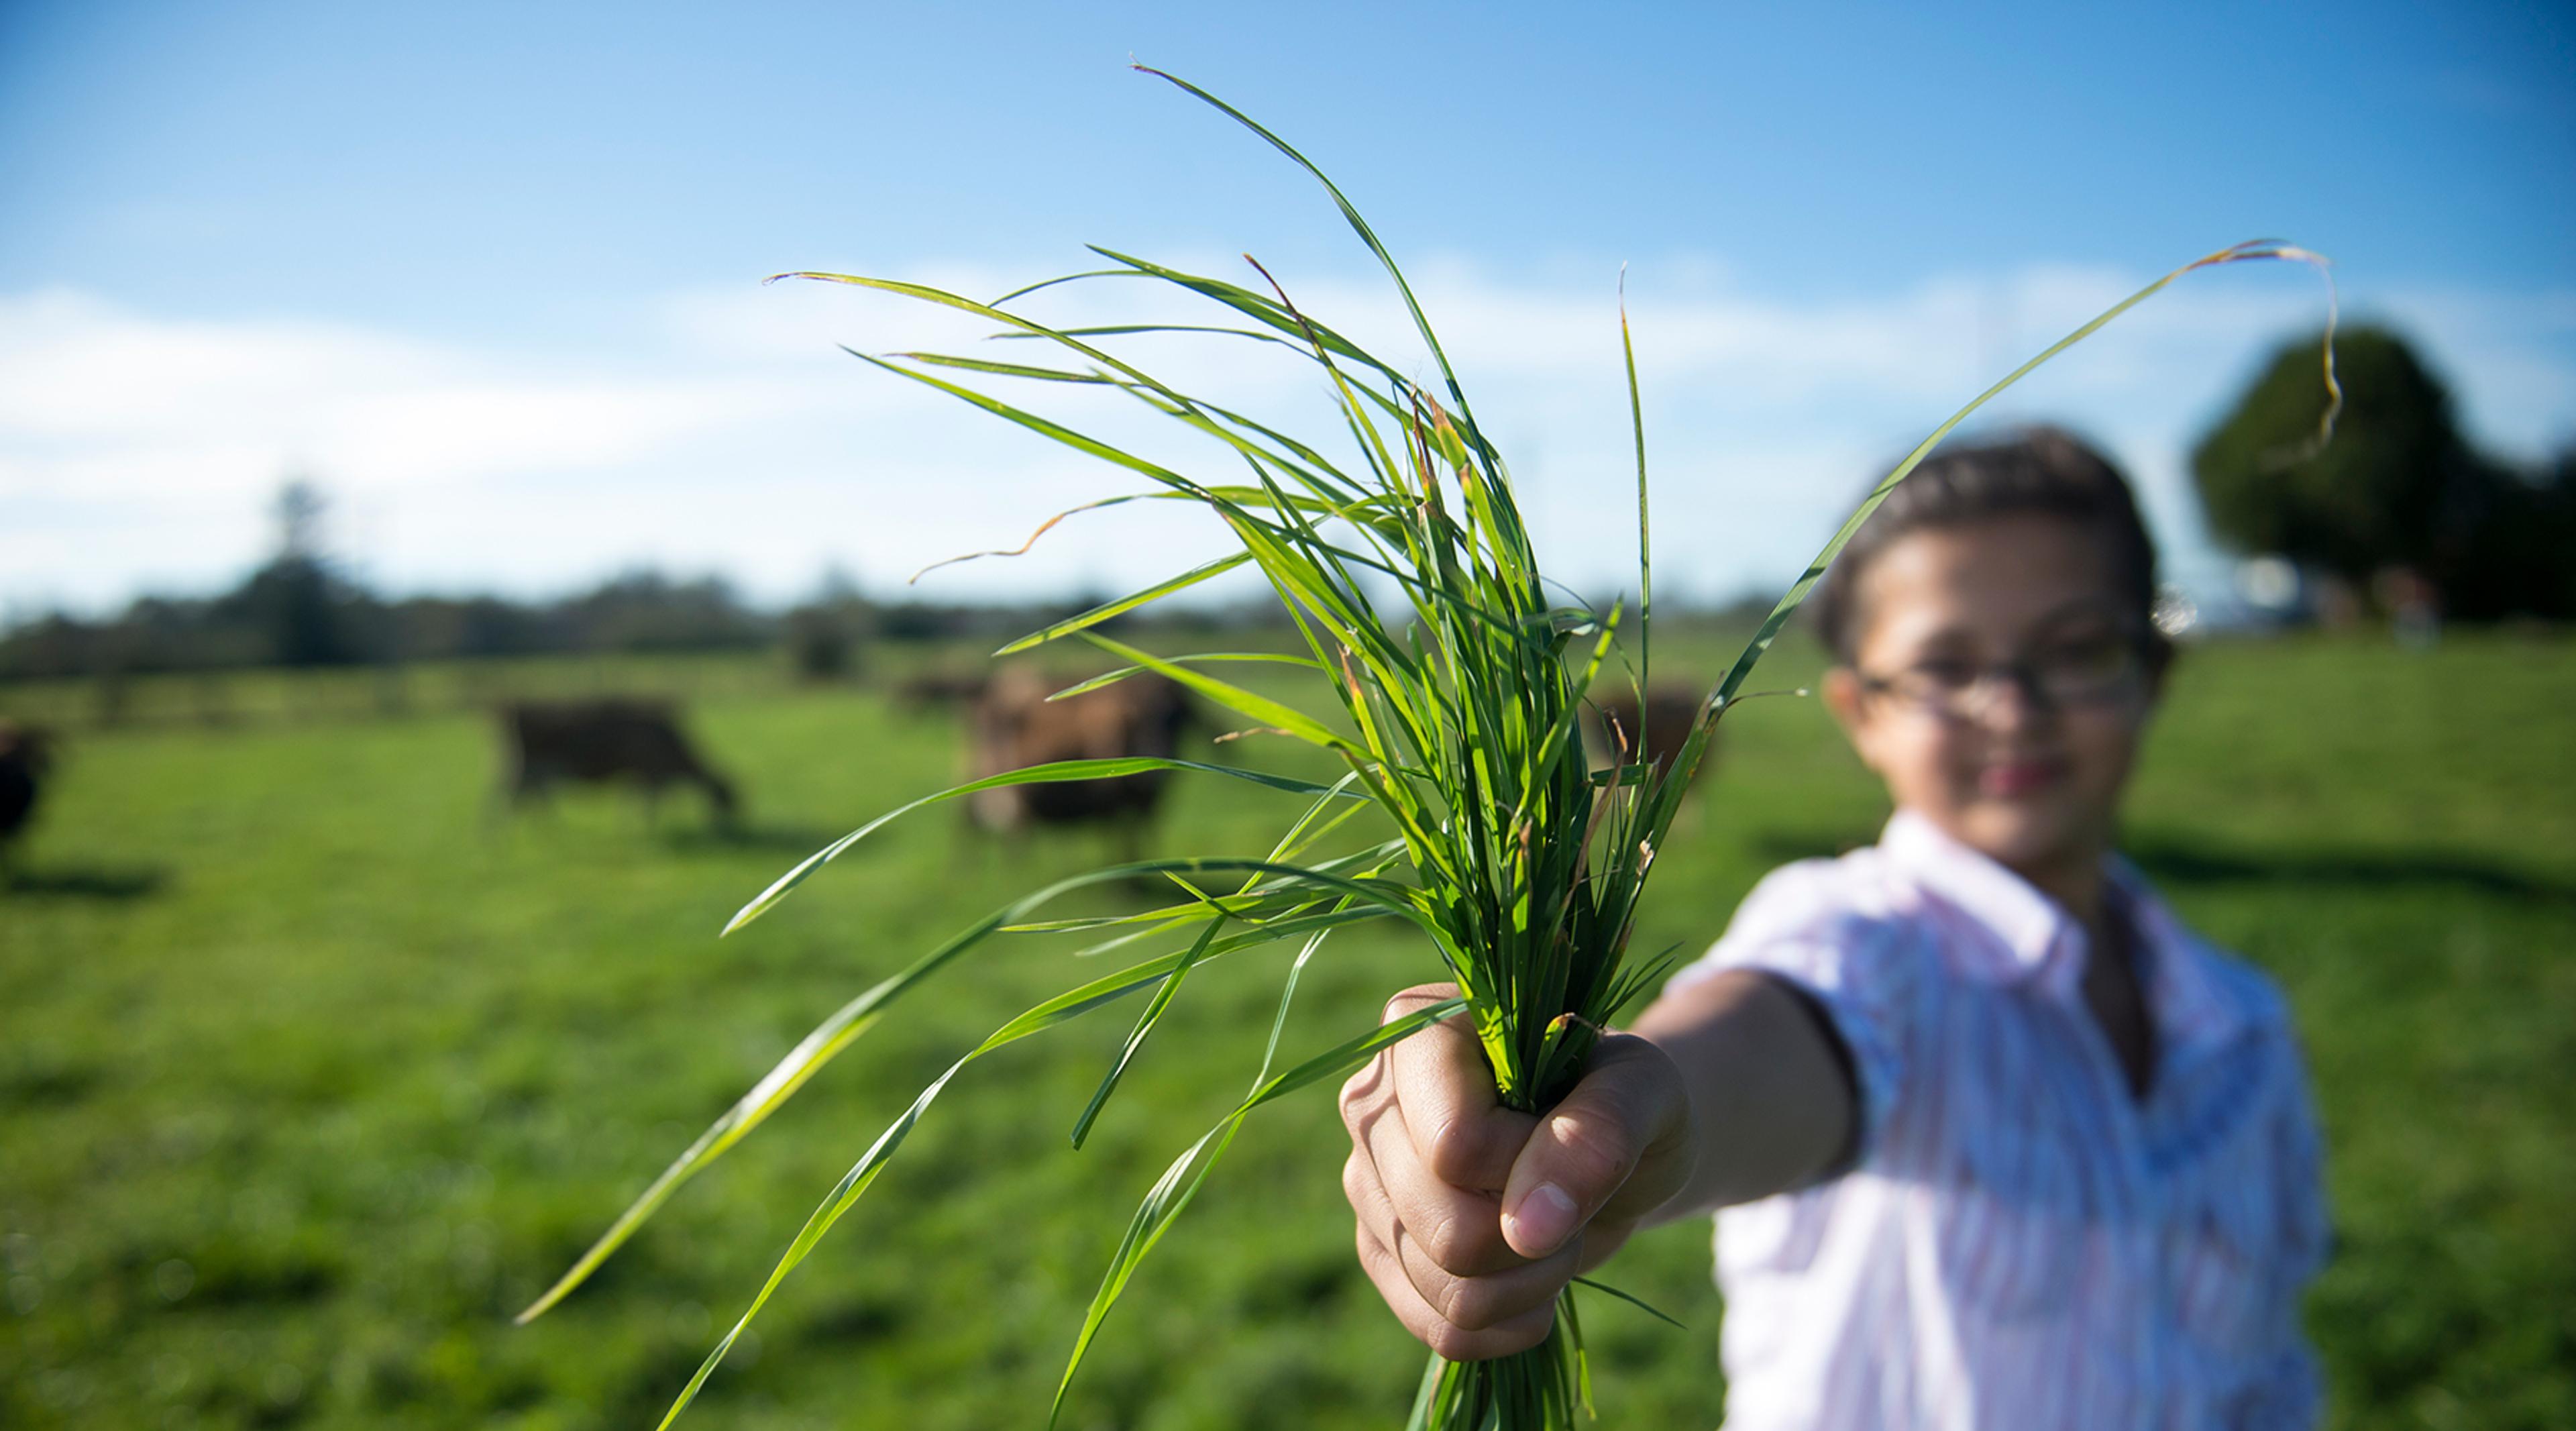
[{"x": 1772, "y": 1105}]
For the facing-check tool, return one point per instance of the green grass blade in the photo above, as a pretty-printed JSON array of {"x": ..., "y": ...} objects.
[
  {"x": 1052, "y": 771},
  {"x": 1066, "y": 1006},
  {"x": 1127, "y": 603},
  {"x": 774, "y": 1088},
  {"x": 1111, "y": 678},
  {"x": 851, "y": 1188},
  {"x": 1145, "y": 1022},
  {"x": 1266, "y": 310},
  {"x": 1640, "y": 1303},
  {"x": 1044, "y": 427},
  {"x": 1350, "y": 214},
  {"x": 750, "y": 1111},
  {"x": 1645, "y": 529},
  {"x": 1009, "y": 370},
  {"x": 1234, "y": 698},
  {"x": 1424, "y": 1396},
  {"x": 1288, "y": 999},
  {"x": 1180, "y": 1183}
]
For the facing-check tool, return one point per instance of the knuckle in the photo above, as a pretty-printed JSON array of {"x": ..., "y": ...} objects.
[
  {"x": 1595, "y": 1149},
  {"x": 1454, "y": 1241},
  {"x": 1454, "y": 1343},
  {"x": 1357, "y": 1176},
  {"x": 1454, "y": 1149},
  {"x": 1406, "y": 1001},
  {"x": 1474, "y": 1303},
  {"x": 1521, "y": 1336},
  {"x": 1362, "y": 1092},
  {"x": 1472, "y": 1147},
  {"x": 1372, "y": 1256}
]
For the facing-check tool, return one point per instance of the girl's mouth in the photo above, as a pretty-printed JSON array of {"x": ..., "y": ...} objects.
[{"x": 2006, "y": 779}]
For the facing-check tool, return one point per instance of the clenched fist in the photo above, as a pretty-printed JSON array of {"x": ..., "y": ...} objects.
[{"x": 1472, "y": 1217}]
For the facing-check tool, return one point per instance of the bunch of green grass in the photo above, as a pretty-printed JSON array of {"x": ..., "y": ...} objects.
[{"x": 1457, "y": 724}]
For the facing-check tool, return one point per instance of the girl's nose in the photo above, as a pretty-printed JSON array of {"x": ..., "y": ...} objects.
[{"x": 2009, "y": 698}]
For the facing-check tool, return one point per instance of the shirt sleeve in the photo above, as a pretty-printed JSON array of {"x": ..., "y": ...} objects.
[{"x": 1812, "y": 926}]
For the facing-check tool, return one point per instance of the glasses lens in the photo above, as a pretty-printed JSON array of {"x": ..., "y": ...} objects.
[
  {"x": 2085, "y": 670},
  {"x": 1938, "y": 686}
]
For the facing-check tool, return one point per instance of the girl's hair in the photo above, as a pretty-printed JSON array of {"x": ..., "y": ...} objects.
[{"x": 2038, "y": 469}]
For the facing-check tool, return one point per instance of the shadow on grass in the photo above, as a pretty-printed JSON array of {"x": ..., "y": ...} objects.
[
  {"x": 84, "y": 882},
  {"x": 2189, "y": 862},
  {"x": 2176, "y": 861}
]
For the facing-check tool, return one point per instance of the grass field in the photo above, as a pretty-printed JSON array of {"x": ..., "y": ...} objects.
[{"x": 310, "y": 1075}]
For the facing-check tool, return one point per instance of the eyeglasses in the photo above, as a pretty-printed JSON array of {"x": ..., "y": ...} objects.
[{"x": 2069, "y": 673}]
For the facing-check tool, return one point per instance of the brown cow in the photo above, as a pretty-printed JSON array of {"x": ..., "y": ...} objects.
[
  {"x": 596, "y": 741},
  {"x": 26, "y": 755},
  {"x": 934, "y": 690},
  {"x": 1012, "y": 724},
  {"x": 1668, "y": 716}
]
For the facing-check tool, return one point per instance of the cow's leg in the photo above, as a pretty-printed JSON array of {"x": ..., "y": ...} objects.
[
  {"x": 512, "y": 792},
  {"x": 723, "y": 811},
  {"x": 529, "y": 786}
]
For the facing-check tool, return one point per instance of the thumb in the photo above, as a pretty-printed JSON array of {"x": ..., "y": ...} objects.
[{"x": 1585, "y": 1157}]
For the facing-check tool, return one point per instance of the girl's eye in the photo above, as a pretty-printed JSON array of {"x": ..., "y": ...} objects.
[
  {"x": 2094, "y": 656},
  {"x": 1945, "y": 674}
]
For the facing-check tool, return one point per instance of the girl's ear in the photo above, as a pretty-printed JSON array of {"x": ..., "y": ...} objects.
[{"x": 1844, "y": 697}]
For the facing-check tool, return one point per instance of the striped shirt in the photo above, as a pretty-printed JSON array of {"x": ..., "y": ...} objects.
[{"x": 2020, "y": 1242}]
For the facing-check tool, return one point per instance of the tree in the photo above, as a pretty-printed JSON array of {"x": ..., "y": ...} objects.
[
  {"x": 2396, "y": 486},
  {"x": 306, "y": 610},
  {"x": 826, "y": 634},
  {"x": 2516, "y": 550}
]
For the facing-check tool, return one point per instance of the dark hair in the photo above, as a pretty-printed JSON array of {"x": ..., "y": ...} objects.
[{"x": 2038, "y": 469}]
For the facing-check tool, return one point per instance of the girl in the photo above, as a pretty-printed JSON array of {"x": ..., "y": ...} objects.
[{"x": 1995, "y": 1141}]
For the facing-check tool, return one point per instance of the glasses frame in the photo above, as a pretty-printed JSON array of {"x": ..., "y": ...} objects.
[{"x": 1975, "y": 699}]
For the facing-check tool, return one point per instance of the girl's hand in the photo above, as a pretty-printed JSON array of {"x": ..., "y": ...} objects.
[{"x": 1472, "y": 1217}]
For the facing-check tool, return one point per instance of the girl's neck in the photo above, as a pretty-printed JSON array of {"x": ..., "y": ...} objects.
[{"x": 2074, "y": 884}]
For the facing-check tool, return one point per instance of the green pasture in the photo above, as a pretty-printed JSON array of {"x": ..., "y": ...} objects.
[{"x": 312, "y": 1072}]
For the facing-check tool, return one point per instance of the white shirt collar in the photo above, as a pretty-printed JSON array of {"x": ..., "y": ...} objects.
[
  {"x": 2035, "y": 937},
  {"x": 2029, "y": 924}
]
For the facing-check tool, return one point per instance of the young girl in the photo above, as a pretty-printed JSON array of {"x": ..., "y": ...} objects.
[{"x": 1997, "y": 1142}]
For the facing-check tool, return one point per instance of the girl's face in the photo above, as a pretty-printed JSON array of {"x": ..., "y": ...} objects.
[{"x": 1999, "y": 686}]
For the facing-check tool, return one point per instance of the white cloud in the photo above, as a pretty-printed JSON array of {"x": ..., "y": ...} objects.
[{"x": 137, "y": 450}]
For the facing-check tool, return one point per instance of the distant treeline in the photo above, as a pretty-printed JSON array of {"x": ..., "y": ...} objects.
[{"x": 300, "y": 611}]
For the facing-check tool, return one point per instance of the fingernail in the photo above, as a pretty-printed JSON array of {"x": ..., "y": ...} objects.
[{"x": 1543, "y": 1221}]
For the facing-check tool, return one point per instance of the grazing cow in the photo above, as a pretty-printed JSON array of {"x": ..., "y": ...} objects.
[
  {"x": 26, "y": 754},
  {"x": 1012, "y": 724},
  {"x": 1668, "y": 716},
  {"x": 595, "y": 741},
  {"x": 934, "y": 690}
]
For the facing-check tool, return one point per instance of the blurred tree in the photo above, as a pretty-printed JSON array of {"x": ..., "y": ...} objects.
[
  {"x": 825, "y": 636},
  {"x": 2515, "y": 553},
  {"x": 297, "y": 601},
  {"x": 2377, "y": 495},
  {"x": 643, "y": 610},
  {"x": 2398, "y": 487}
]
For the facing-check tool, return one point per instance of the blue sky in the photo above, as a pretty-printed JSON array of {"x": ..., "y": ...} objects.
[{"x": 489, "y": 272}]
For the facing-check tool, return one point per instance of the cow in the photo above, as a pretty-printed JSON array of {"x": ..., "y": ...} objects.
[
  {"x": 1011, "y": 724},
  {"x": 596, "y": 741},
  {"x": 937, "y": 690},
  {"x": 1669, "y": 711},
  {"x": 26, "y": 756}
]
